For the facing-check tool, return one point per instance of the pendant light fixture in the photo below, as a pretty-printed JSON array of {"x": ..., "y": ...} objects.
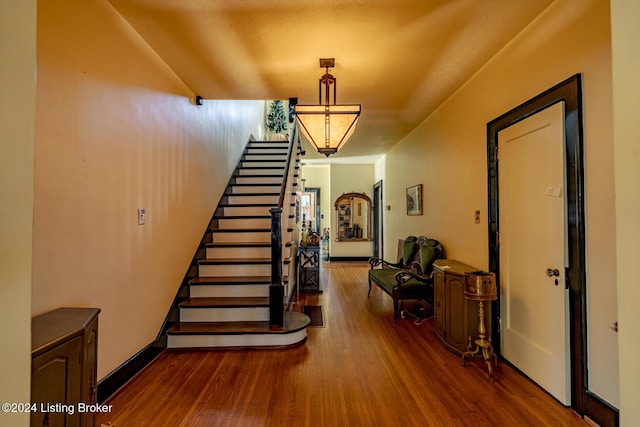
[{"x": 327, "y": 126}]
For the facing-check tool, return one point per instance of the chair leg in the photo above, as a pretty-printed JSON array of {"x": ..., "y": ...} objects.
[
  {"x": 369, "y": 293},
  {"x": 395, "y": 310}
]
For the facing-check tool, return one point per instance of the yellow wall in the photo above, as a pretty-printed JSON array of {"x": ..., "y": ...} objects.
[
  {"x": 17, "y": 113},
  {"x": 447, "y": 154},
  {"x": 626, "y": 93},
  {"x": 116, "y": 130}
]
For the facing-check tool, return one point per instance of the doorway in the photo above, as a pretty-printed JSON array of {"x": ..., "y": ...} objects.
[
  {"x": 310, "y": 207},
  {"x": 574, "y": 277},
  {"x": 377, "y": 220}
]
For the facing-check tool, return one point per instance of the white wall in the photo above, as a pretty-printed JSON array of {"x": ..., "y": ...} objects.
[
  {"x": 17, "y": 112},
  {"x": 626, "y": 94},
  {"x": 447, "y": 154},
  {"x": 116, "y": 130}
]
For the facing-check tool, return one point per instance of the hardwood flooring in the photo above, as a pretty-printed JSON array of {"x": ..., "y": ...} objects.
[{"x": 360, "y": 369}]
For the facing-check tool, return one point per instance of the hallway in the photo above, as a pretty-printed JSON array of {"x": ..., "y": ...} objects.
[{"x": 360, "y": 369}]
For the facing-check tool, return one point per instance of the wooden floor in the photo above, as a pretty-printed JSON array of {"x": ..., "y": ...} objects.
[{"x": 360, "y": 369}]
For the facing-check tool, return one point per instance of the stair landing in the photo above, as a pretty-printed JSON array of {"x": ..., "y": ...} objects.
[{"x": 239, "y": 335}]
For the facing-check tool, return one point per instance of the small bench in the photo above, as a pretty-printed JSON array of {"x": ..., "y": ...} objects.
[{"x": 412, "y": 276}]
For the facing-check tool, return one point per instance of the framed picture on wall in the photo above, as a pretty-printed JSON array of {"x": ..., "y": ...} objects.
[{"x": 414, "y": 200}]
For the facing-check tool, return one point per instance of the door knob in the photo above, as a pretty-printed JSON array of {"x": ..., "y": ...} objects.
[{"x": 553, "y": 272}]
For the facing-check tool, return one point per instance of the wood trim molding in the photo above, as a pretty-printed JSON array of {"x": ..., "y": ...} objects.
[
  {"x": 600, "y": 411},
  {"x": 110, "y": 384}
]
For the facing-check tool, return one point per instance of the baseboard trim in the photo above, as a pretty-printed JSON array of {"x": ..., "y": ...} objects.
[
  {"x": 110, "y": 384},
  {"x": 349, "y": 258},
  {"x": 600, "y": 411}
]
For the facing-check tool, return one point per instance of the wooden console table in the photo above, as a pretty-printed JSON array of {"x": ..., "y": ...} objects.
[
  {"x": 309, "y": 268},
  {"x": 455, "y": 317}
]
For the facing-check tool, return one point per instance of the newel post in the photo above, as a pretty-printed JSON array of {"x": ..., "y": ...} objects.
[{"x": 276, "y": 290}]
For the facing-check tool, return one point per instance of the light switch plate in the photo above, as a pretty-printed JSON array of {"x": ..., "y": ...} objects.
[
  {"x": 553, "y": 190},
  {"x": 141, "y": 217}
]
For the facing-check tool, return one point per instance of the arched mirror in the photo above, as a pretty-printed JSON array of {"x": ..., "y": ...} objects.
[{"x": 353, "y": 213}]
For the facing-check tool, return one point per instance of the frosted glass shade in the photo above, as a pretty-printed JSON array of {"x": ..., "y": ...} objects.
[{"x": 327, "y": 127}]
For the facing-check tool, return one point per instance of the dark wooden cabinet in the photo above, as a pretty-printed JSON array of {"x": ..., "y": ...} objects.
[
  {"x": 455, "y": 317},
  {"x": 64, "y": 345},
  {"x": 439, "y": 300}
]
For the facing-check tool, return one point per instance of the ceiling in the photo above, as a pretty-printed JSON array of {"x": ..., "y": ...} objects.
[{"x": 399, "y": 59}]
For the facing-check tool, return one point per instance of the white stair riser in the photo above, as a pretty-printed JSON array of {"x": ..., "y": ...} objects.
[
  {"x": 228, "y": 291},
  {"x": 269, "y": 144},
  {"x": 255, "y": 189},
  {"x": 244, "y": 223},
  {"x": 270, "y": 172},
  {"x": 234, "y": 270},
  {"x": 246, "y": 252},
  {"x": 266, "y": 157},
  {"x": 265, "y": 164},
  {"x": 236, "y": 314},
  {"x": 259, "y": 180},
  {"x": 238, "y": 253},
  {"x": 247, "y": 200},
  {"x": 273, "y": 150},
  {"x": 287, "y": 251},
  {"x": 241, "y": 340},
  {"x": 243, "y": 237},
  {"x": 245, "y": 210}
]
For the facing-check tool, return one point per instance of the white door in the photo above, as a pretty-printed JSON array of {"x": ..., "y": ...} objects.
[{"x": 534, "y": 305}]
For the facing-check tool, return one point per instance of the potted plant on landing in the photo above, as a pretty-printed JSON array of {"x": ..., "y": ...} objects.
[{"x": 276, "y": 120}]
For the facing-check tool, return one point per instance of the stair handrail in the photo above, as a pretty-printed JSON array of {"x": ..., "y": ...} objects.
[{"x": 276, "y": 290}]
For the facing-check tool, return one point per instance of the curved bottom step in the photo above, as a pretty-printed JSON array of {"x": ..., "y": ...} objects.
[{"x": 238, "y": 335}]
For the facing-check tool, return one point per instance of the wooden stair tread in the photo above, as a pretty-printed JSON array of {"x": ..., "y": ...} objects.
[
  {"x": 257, "y": 184},
  {"x": 224, "y": 302},
  {"x": 212, "y": 261},
  {"x": 238, "y": 245},
  {"x": 293, "y": 322},
  {"x": 251, "y": 194},
  {"x": 245, "y": 216},
  {"x": 230, "y": 280},
  {"x": 260, "y": 167},
  {"x": 246, "y": 205},
  {"x": 225, "y": 280},
  {"x": 243, "y": 244},
  {"x": 240, "y": 230},
  {"x": 235, "y": 261},
  {"x": 281, "y": 154}
]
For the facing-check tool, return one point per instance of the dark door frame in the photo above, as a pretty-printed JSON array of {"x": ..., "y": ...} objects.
[
  {"x": 569, "y": 91},
  {"x": 378, "y": 224},
  {"x": 315, "y": 190}
]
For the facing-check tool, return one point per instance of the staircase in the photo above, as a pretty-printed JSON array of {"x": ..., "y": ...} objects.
[{"x": 228, "y": 302}]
